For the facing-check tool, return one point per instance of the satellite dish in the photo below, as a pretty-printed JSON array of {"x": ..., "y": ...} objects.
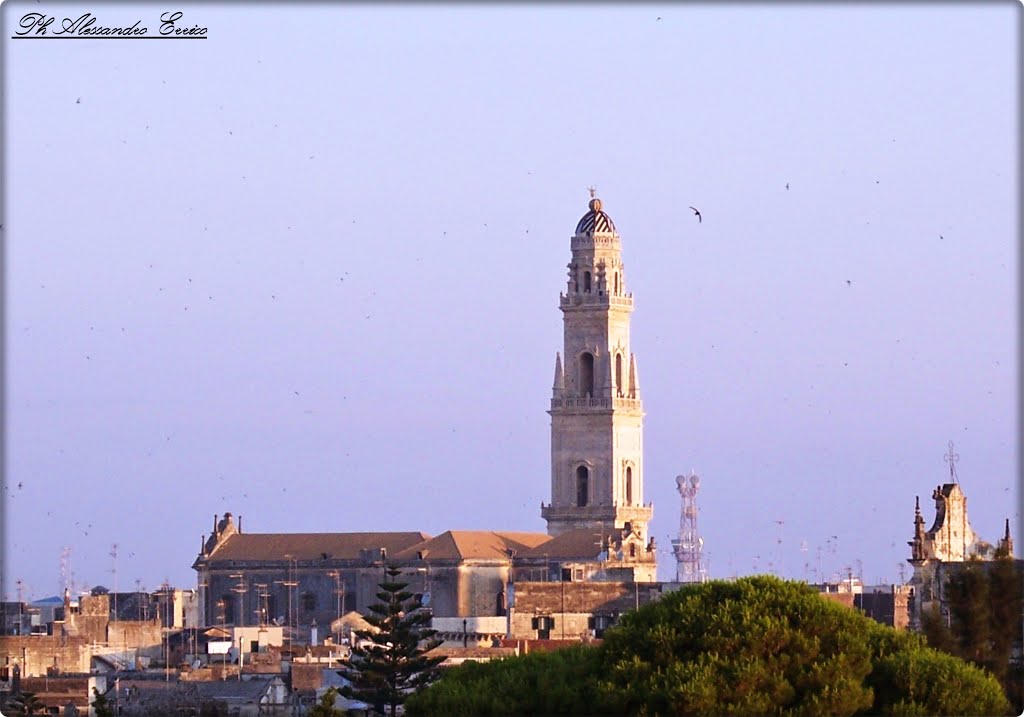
[
  {"x": 695, "y": 480},
  {"x": 680, "y": 481}
]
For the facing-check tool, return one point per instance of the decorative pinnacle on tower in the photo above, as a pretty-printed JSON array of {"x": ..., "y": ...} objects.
[{"x": 688, "y": 547}]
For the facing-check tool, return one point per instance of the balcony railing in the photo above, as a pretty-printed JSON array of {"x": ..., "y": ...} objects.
[
  {"x": 595, "y": 299},
  {"x": 631, "y": 404}
]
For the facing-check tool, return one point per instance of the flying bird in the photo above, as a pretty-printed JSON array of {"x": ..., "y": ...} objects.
[{"x": 697, "y": 212}]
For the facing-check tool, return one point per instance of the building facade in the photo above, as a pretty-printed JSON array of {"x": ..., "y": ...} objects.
[{"x": 942, "y": 549}]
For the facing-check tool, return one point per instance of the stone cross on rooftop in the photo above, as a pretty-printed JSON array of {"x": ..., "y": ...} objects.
[{"x": 952, "y": 458}]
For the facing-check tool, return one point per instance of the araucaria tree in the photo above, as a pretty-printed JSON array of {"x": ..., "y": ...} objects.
[{"x": 395, "y": 664}]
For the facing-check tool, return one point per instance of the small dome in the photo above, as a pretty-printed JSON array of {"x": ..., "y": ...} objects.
[{"x": 595, "y": 220}]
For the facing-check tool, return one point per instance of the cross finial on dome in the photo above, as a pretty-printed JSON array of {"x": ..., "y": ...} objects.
[{"x": 593, "y": 191}]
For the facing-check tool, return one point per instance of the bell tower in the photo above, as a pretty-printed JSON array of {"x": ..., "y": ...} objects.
[{"x": 596, "y": 413}]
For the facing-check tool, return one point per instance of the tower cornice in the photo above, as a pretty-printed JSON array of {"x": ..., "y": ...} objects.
[{"x": 589, "y": 302}]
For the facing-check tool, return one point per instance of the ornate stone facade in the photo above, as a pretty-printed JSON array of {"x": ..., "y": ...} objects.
[
  {"x": 596, "y": 412},
  {"x": 950, "y": 541}
]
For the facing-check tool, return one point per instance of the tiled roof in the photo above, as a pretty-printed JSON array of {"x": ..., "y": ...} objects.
[
  {"x": 576, "y": 544},
  {"x": 310, "y": 546},
  {"x": 473, "y": 544},
  {"x": 245, "y": 691}
]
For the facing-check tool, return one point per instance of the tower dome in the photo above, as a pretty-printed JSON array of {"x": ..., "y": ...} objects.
[{"x": 595, "y": 220}]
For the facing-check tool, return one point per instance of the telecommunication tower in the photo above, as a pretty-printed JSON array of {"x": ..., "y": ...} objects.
[{"x": 688, "y": 547}]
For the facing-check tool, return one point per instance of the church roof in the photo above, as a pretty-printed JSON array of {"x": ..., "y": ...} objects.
[
  {"x": 473, "y": 544},
  {"x": 581, "y": 543},
  {"x": 311, "y": 546},
  {"x": 595, "y": 220}
]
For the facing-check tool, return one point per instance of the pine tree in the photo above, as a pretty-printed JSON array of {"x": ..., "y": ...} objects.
[
  {"x": 326, "y": 708},
  {"x": 395, "y": 665},
  {"x": 26, "y": 703},
  {"x": 101, "y": 705},
  {"x": 985, "y": 617}
]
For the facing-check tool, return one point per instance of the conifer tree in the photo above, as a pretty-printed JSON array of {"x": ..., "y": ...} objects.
[
  {"x": 395, "y": 664},
  {"x": 101, "y": 705}
]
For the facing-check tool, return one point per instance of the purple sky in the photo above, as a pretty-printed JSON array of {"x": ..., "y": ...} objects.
[{"x": 307, "y": 271}]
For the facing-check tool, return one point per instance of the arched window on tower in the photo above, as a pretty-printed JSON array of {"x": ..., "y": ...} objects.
[
  {"x": 582, "y": 485},
  {"x": 616, "y": 283},
  {"x": 586, "y": 374},
  {"x": 586, "y": 282},
  {"x": 618, "y": 375},
  {"x": 629, "y": 485}
]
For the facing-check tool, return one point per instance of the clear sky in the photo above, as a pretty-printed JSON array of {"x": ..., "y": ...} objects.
[{"x": 307, "y": 271}]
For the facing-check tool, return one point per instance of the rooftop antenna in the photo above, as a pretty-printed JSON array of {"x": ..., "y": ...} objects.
[
  {"x": 113, "y": 554},
  {"x": 952, "y": 458},
  {"x": 65, "y": 560},
  {"x": 778, "y": 543},
  {"x": 240, "y": 589},
  {"x": 803, "y": 549}
]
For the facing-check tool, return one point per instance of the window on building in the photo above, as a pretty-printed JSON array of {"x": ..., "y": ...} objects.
[
  {"x": 586, "y": 374},
  {"x": 629, "y": 485},
  {"x": 618, "y": 374},
  {"x": 309, "y": 602},
  {"x": 632, "y": 550},
  {"x": 543, "y": 624},
  {"x": 582, "y": 485},
  {"x": 616, "y": 283},
  {"x": 586, "y": 282}
]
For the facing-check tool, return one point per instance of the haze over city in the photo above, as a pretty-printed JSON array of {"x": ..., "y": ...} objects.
[{"x": 307, "y": 270}]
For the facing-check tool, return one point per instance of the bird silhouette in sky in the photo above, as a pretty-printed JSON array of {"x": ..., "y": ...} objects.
[{"x": 697, "y": 213}]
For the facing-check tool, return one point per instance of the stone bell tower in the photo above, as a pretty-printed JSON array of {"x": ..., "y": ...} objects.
[{"x": 596, "y": 415}]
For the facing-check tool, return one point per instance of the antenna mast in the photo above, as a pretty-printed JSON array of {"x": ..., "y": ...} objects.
[
  {"x": 688, "y": 547},
  {"x": 778, "y": 547},
  {"x": 113, "y": 554},
  {"x": 65, "y": 568}
]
